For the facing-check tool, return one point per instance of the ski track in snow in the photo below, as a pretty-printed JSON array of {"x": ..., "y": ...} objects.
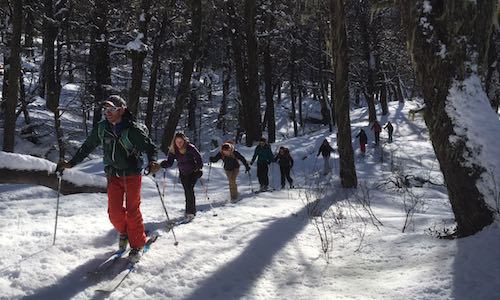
[{"x": 264, "y": 246}]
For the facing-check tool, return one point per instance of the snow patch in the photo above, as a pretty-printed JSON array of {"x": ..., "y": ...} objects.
[
  {"x": 14, "y": 161},
  {"x": 137, "y": 44}
]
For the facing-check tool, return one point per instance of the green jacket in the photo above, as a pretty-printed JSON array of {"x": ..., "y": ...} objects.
[
  {"x": 118, "y": 160},
  {"x": 264, "y": 154}
]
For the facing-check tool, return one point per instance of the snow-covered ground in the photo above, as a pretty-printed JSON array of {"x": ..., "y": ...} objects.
[{"x": 265, "y": 246}]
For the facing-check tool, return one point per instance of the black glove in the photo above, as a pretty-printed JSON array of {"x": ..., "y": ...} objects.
[
  {"x": 247, "y": 170},
  {"x": 153, "y": 167},
  {"x": 197, "y": 174},
  {"x": 163, "y": 164}
]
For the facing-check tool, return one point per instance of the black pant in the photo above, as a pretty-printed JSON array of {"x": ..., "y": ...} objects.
[
  {"x": 262, "y": 169},
  {"x": 377, "y": 137},
  {"x": 285, "y": 174},
  {"x": 390, "y": 136},
  {"x": 188, "y": 181}
]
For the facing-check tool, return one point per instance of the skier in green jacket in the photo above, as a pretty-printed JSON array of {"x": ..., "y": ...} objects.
[{"x": 264, "y": 157}]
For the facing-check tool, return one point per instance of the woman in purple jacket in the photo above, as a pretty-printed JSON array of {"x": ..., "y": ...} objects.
[{"x": 189, "y": 163}]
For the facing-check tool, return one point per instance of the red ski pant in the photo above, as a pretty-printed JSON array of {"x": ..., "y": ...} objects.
[{"x": 124, "y": 200}]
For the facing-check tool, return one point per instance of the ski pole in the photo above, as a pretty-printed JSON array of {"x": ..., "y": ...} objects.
[
  {"x": 164, "y": 183},
  {"x": 165, "y": 209},
  {"x": 176, "y": 178},
  {"x": 206, "y": 189},
  {"x": 59, "y": 179},
  {"x": 250, "y": 181}
]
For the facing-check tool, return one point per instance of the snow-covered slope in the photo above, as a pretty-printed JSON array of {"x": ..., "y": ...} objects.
[{"x": 265, "y": 246}]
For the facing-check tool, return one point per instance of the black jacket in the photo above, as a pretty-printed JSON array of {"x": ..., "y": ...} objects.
[
  {"x": 325, "y": 150},
  {"x": 230, "y": 161}
]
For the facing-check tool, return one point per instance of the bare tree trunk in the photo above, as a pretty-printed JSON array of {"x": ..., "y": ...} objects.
[
  {"x": 99, "y": 57},
  {"x": 268, "y": 79},
  {"x": 29, "y": 28},
  {"x": 370, "y": 71},
  {"x": 293, "y": 92},
  {"x": 14, "y": 74},
  {"x": 188, "y": 63},
  {"x": 226, "y": 79},
  {"x": 383, "y": 94},
  {"x": 253, "y": 129},
  {"x": 155, "y": 66},
  {"x": 436, "y": 75},
  {"x": 340, "y": 64},
  {"x": 138, "y": 56}
]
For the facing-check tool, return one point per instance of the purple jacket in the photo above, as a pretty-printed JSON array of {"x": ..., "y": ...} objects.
[{"x": 187, "y": 163}]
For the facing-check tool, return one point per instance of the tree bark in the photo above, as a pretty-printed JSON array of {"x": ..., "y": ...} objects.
[
  {"x": 436, "y": 76},
  {"x": 14, "y": 74},
  {"x": 246, "y": 69},
  {"x": 293, "y": 89},
  {"x": 155, "y": 67},
  {"x": 383, "y": 95},
  {"x": 99, "y": 57},
  {"x": 370, "y": 71},
  {"x": 188, "y": 63},
  {"x": 268, "y": 79},
  {"x": 253, "y": 129},
  {"x": 137, "y": 56},
  {"x": 340, "y": 64}
]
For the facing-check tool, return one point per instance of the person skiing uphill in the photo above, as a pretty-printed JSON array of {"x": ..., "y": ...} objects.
[
  {"x": 123, "y": 143},
  {"x": 190, "y": 164},
  {"x": 230, "y": 159},
  {"x": 285, "y": 161},
  {"x": 264, "y": 157},
  {"x": 363, "y": 139},
  {"x": 390, "y": 130},
  {"x": 376, "y": 129},
  {"x": 325, "y": 149}
]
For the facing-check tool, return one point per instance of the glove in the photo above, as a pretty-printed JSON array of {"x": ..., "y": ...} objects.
[
  {"x": 63, "y": 164},
  {"x": 198, "y": 173},
  {"x": 154, "y": 167},
  {"x": 163, "y": 164},
  {"x": 247, "y": 170}
]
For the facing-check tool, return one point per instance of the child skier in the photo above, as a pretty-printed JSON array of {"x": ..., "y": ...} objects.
[
  {"x": 230, "y": 158},
  {"x": 285, "y": 161},
  {"x": 264, "y": 157},
  {"x": 189, "y": 163}
]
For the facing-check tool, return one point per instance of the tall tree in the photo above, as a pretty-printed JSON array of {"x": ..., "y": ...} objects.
[
  {"x": 245, "y": 53},
  {"x": 14, "y": 74},
  {"x": 155, "y": 64},
  {"x": 137, "y": 51},
  {"x": 268, "y": 76},
  {"x": 188, "y": 63},
  {"x": 340, "y": 64},
  {"x": 100, "y": 67},
  {"x": 448, "y": 41}
]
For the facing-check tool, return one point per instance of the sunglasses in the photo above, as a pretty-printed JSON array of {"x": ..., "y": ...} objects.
[{"x": 111, "y": 109}]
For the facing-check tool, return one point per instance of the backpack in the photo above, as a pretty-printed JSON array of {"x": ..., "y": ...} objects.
[{"x": 123, "y": 140}]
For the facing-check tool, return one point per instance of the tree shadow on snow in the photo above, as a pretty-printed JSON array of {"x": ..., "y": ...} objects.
[
  {"x": 236, "y": 278},
  {"x": 80, "y": 278}
]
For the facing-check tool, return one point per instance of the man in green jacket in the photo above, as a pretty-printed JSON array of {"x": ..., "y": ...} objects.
[
  {"x": 264, "y": 158},
  {"x": 123, "y": 143}
]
